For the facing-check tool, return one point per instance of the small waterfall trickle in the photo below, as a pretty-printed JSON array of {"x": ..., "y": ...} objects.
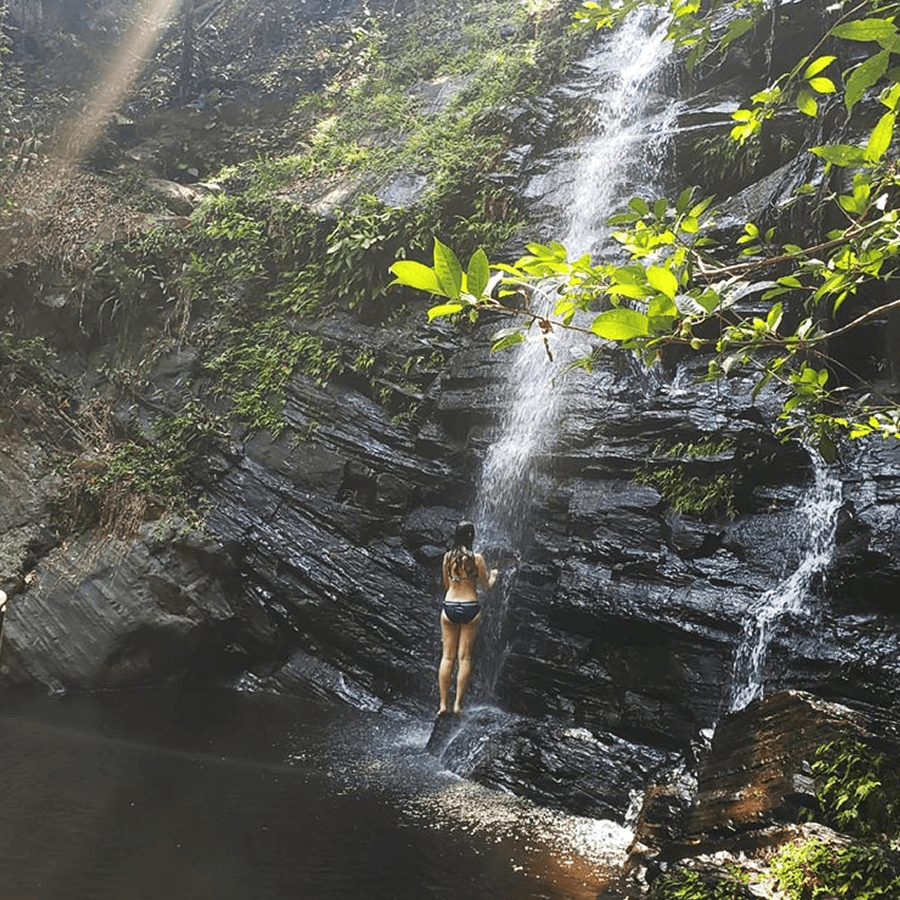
[
  {"x": 622, "y": 157},
  {"x": 820, "y": 511}
]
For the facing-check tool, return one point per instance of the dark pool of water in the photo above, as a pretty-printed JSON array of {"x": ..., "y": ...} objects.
[{"x": 161, "y": 795}]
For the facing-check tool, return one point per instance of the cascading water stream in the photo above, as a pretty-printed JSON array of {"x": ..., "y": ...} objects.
[
  {"x": 621, "y": 158},
  {"x": 820, "y": 511}
]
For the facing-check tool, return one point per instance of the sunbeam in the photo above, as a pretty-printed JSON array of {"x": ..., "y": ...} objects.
[
  {"x": 82, "y": 133},
  {"x": 51, "y": 206}
]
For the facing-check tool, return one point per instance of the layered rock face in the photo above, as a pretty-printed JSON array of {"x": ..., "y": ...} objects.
[
  {"x": 622, "y": 621},
  {"x": 622, "y": 617}
]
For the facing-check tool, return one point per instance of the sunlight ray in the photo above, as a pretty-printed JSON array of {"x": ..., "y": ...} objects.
[{"x": 82, "y": 133}]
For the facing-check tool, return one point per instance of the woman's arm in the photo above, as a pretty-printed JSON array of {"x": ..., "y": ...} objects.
[
  {"x": 486, "y": 579},
  {"x": 445, "y": 571}
]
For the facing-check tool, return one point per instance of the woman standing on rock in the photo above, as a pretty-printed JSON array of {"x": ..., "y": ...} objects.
[{"x": 463, "y": 572}]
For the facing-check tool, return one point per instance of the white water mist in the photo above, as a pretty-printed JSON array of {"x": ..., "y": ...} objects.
[{"x": 791, "y": 596}]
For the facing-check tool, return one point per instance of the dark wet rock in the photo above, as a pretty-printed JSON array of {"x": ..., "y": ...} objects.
[
  {"x": 753, "y": 792},
  {"x": 126, "y": 613},
  {"x": 547, "y": 760},
  {"x": 758, "y": 770}
]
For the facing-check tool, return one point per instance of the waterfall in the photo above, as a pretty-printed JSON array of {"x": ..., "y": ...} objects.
[
  {"x": 820, "y": 514},
  {"x": 622, "y": 78}
]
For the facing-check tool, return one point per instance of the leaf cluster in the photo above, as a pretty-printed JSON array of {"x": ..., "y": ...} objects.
[
  {"x": 857, "y": 789},
  {"x": 814, "y": 870},
  {"x": 686, "y": 884},
  {"x": 118, "y": 484},
  {"x": 687, "y": 488},
  {"x": 859, "y": 794}
]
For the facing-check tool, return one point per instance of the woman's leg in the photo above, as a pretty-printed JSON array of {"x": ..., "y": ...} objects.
[
  {"x": 449, "y": 644},
  {"x": 467, "y": 635}
]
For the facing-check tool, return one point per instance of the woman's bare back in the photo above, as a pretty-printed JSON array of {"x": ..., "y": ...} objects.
[{"x": 462, "y": 584}]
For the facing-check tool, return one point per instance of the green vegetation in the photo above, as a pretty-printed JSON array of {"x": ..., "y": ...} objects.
[
  {"x": 861, "y": 871},
  {"x": 685, "y": 884},
  {"x": 858, "y": 792},
  {"x": 680, "y": 288},
  {"x": 256, "y": 272},
  {"x": 16, "y": 150},
  {"x": 25, "y": 364},
  {"x": 117, "y": 483},
  {"x": 256, "y": 365},
  {"x": 858, "y": 789},
  {"x": 697, "y": 494}
]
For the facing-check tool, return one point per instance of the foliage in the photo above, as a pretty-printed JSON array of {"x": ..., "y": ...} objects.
[
  {"x": 265, "y": 271},
  {"x": 857, "y": 789},
  {"x": 16, "y": 149},
  {"x": 859, "y": 794},
  {"x": 675, "y": 290},
  {"x": 358, "y": 246},
  {"x": 686, "y": 884},
  {"x": 258, "y": 360},
  {"x": 25, "y": 363},
  {"x": 28, "y": 351},
  {"x": 375, "y": 116},
  {"x": 118, "y": 483},
  {"x": 813, "y": 870},
  {"x": 699, "y": 493}
]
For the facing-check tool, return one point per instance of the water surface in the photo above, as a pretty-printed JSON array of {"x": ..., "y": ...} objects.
[{"x": 161, "y": 795}]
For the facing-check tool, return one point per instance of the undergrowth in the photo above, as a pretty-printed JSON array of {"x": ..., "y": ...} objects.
[{"x": 687, "y": 487}]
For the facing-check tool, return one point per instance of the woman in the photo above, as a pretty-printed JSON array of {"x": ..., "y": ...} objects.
[{"x": 463, "y": 571}]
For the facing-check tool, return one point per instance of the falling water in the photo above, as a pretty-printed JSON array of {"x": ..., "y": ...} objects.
[
  {"x": 622, "y": 157},
  {"x": 820, "y": 512}
]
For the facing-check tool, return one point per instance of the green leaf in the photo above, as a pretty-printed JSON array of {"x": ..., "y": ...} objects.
[
  {"x": 415, "y": 275},
  {"x": 736, "y": 29},
  {"x": 684, "y": 199},
  {"x": 827, "y": 448},
  {"x": 806, "y": 103},
  {"x": 880, "y": 138},
  {"x": 479, "y": 274},
  {"x": 890, "y": 96},
  {"x": 635, "y": 291},
  {"x": 661, "y": 314},
  {"x": 701, "y": 207},
  {"x": 663, "y": 281},
  {"x": 818, "y": 65},
  {"x": 840, "y": 154},
  {"x": 866, "y": 30},
  {"x": 448, "y": 270},
  {"x": 864, "y": 76},
  {"x": 509, "y": 337},
  {"x": 444, "y": 309},
  {"x": 620, "y": 325},
  {"x": 822, "y": 85},
  {"x": 639, "y": 205},
  {"x": 709, "y": 300}
]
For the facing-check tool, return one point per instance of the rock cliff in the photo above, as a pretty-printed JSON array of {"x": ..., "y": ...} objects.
[{"x": 318, "y": 560}]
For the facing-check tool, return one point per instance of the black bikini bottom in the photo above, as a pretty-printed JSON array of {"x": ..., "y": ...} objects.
[{"x": 461, "y": 613}]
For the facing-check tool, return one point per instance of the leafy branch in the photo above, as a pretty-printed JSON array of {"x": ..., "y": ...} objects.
[{"x": 679, "y": 287}]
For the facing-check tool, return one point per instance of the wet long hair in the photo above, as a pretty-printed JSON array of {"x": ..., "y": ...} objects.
[{"x": 461, "y": 557}]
